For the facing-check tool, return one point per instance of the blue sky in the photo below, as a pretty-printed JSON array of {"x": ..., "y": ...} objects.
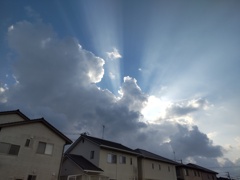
[{"x": 155, "y": 73}]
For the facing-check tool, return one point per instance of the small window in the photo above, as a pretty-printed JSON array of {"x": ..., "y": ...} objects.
[
  {"x": 92, "y": 155},
  {"x": 152, "y": 166},
  {"x": 45, "y": 148},
  {"x": 32, "y": 177},
  {"x": 10, "y": 149},
  {"x": 27, "y": 143},
  {"x": 112, "y": 158},
  {"x": 195, "y": 173},
  {"x": 159, "y": 167},
  {"x": 169, "y": 169},
  {"x": 122, "y": 160},
  {"x": 131, "y": 162},
  {"x": 198, "y": 174},
  {"x": 186, "y": 172}
]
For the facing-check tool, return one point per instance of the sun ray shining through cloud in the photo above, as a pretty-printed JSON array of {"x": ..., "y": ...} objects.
[
  {"x": 104, "y": 24},
  {"x": 159, "y": 73}
]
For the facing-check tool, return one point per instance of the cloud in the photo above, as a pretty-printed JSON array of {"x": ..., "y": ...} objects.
[
  {"x": 57, "y": 80},
  {"x": 186, "y": 107},
  {"x": 193, "y": 143},
  {"x": 114, "y": 54}
]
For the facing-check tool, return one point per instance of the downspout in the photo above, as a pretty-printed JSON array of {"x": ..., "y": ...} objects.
[{"x": 60, "y": 167}]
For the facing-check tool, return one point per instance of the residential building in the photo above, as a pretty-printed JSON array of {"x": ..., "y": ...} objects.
[
  {"x": 154, "y": 167},
  {"x": 29, "y": 149},
  {"x": 194, "y": 172},
  {"x": 96, "y": 158}
]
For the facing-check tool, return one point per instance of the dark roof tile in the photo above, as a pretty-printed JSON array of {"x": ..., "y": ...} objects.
[{"x": 83, "y": 163}]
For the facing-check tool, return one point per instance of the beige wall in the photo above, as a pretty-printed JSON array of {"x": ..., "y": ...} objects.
[
  {"x": 208, "y": 176},
  {"x": 191, "y": 175},
  {"x": 84, "y": 148},
  {"x": 8, "y": 118},
  {"x": 70, "y": 168},
  {"x": 150, "y": 170},
  {"x": 46, "y": 167},
  {"x": 118, "y": 171}
]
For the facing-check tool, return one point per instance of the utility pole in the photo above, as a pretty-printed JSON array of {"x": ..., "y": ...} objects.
[{"x": 228, "y": 175}]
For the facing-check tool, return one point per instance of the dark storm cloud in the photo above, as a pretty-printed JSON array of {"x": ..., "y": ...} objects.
[
  {"x": 190, "y": 143},
  {"x": 56, "y": 79}
]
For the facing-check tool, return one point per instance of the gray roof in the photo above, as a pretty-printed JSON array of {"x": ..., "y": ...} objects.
[
  {"x": 150, "y": 155},
  {"x": 103, "y": 143},
  {"x": 43, "y": 121},
  {"x": 83, "y": 163},
  {"x": 18, "y": 112},
  {"x": 194, "y": 166}
]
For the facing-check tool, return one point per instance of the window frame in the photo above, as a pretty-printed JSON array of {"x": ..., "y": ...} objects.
[
  {"x": 45, "y": 147},
  {"x": 122, "y": 159},
  {"x": 92, "y": 155},
  {"x": 32, "y": 177},
  {"x": 112, "y": 158},
  {"x": 11, "y": 149}
]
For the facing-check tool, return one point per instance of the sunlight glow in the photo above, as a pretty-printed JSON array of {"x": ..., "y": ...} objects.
[{"x": 155, "y": 109}]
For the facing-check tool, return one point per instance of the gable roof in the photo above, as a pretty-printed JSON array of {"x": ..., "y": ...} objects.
[
  {"x": 83, "y": 163},
  {"x": 18, "y": 112},
  {"x": 201, "y": 168},
  {"x": 42, "y": 121},
  {"x": 149, "y": 155},
  {"x": 103, "y": 144},
  {"x": 197, "y": 167}
]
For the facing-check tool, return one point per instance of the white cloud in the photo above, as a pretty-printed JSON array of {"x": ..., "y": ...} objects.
[
  {"x": 56, "y": 79},
  {"x": 114, "y": 54},
  {"x": 112, "y": 76}
]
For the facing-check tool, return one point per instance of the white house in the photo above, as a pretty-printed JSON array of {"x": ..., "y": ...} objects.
[{"x": 29, "y": 149}]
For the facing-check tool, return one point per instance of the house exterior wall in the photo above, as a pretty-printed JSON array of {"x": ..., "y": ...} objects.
[
  {"x": 69, "y": 168},
  {"x": 84, "y": 148},
  {"x": 28, "y": 161},
  {"x": 191, "y": 175},
  {"x": 8, "y": 118},
  {"x": 119, "y": 171},
  {"x": 208, "y": 176},
  {"x": 194, "y": 174},
  {"x": 156, "y": 170}
]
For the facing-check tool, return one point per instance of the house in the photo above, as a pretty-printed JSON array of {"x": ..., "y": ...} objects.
[
  {"x": 94, "y": 158},
  {"x": 154, "y": 167},
  {"x": 29, "y": 149},
  {"x": 194, "y": 172}
]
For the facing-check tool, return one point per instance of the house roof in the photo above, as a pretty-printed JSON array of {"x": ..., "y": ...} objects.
[
  {"x": 197, "y": 167},
  {"x": 18, "y": 112},
  {"x": 149, "y": 155},
  {"x": 104, "y": 144},
  {"x": 83, "y": 163},
  {"x": 201, "y": 168},
  {"x": 43, "y": 121}
]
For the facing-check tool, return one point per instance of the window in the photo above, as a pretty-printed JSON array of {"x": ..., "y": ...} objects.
[
  {"x": 198, "y": 174},
  {"x": 195, "y": 173},
  {"x": 44, "y": 148},
  {"x": 152, "y": 166},
  {"x": 92, "y": 155},
  {"x": 131, "y": 162},
  {"x": 122, "y": 160},
  {"x": 10, "y": 149},
  {"x": 27, "y": 143},
  {"x": 185, "y": 172},
  {"x": 32, "y": 177},
  {"x": 112, "y": 158},
  {"x": 159, "y": 167},
  {"x": 169, "y": 169}
]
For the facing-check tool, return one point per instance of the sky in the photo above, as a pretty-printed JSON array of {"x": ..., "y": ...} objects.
[{"x": 158, "y": 75}]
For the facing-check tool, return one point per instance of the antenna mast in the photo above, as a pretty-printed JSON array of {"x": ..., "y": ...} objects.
[{"x": 103, "y": 132}]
